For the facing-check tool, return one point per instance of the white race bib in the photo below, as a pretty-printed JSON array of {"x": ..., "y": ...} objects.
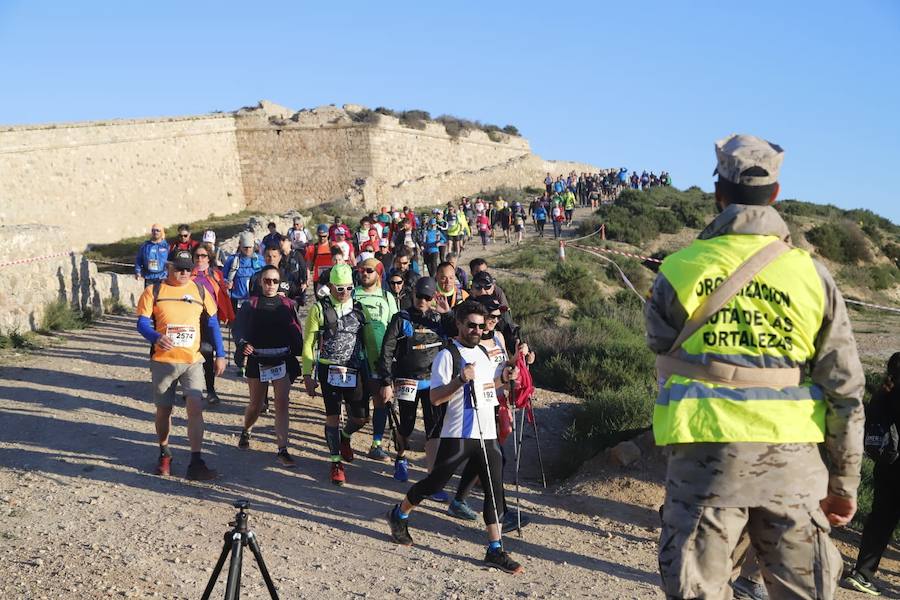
[
  {"x": 153, "y": 265},
  {"x": 485, "y": 395},
  {"x": 497, "y": 355},
  {"x": 405, "y": 389},
  {"x": 182, "y": 336},
  {"x": 341, "y": 377},
  {"x": 272, "y": 373}
]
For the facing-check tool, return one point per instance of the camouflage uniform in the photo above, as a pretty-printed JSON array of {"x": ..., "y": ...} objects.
[{"x": 715, "y": 490}]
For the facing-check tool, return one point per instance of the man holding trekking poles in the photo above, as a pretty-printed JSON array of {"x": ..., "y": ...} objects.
[{"x": 462, "y": 377}]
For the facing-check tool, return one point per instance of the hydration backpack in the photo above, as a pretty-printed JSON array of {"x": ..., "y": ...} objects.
[{"x": 880, "y": 441}]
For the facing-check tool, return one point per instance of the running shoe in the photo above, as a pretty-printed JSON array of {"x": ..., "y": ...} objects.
[
  {"x": 265, "y": 407},
  {"x": 377, "y": 453},
  {"x": 285, "y": 460},
  {"x": 511, "y": 523},
  {"x": 346, "y": 449},
  {"x": 212, "y": 399},
  {"x": 500, "y": 559},
  {"x": 746, "y": 589},
  {"x": 198, "y": 471},
  {"x": 399, "y": 528},
  {"x": 440, "y": 496},
  {"x": 337, "y": 474},
  {"x": 401, "y": 470},
  {"x": 859, "y": 582},
  {"x": 163, "y": 466},
  {"x": 461, "y": 510},
  {"x": 244, "y": 441}
]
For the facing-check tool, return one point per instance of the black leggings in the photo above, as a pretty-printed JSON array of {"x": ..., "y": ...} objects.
[
  {"x": 452, "y": 452},
  {"x": 432, "y": 415},
  {"x": 883, "y": 519},
  {"x": 209, "y": 373}
]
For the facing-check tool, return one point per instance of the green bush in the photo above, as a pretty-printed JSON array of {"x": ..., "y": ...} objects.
[
  {"x": 60, "y": 316},
  {"x": 690, "y": 214},
  {"x": 365, "y": 115},
  {"x": 414, "y": 119},
  {"x": 637, "y": 274},
  {"x": 842, "y": 242},
  {"x": 15, "y": 340},
  {"x": 534, "y": 308},
  {"x": 511, "y": 130},
  {"x": 892, "y": 251},
  {"x": 573, "y": 281},
  {"x": 667, "y": 221},
  {"x": 808, "y": 209}
]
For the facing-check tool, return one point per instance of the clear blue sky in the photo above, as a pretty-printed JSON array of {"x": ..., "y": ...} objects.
[{"x": 637, "y": 84}]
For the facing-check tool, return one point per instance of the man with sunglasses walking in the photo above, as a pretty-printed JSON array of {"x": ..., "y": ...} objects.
[
  {"x": 333, "y": 358},
  {"x": 378, "y": 307},
  {"x": 169, "y": 317}
]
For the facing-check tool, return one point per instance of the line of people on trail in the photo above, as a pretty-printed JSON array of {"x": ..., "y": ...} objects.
[
  {"x": 646, "y": 180},
  {"x": 377, "y": 338}
]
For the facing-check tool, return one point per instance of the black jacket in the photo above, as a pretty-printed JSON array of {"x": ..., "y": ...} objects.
[{"x": 411, "y": 343}]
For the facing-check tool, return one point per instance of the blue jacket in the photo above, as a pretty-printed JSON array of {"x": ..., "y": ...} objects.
[
  {"x": 431, "y": 239},
  {"x": 150, "y": 262},
  {"x": 239, "y": 269}
]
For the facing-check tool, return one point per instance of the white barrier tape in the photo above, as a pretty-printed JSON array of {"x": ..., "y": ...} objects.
[
  {"x": 624, "y": 277},
  {"x": 110, "y": 262},
  {"x": 611, "y": 251},
  {"x": 35, "y": 258},
  {"x": 866, "y": 304}
]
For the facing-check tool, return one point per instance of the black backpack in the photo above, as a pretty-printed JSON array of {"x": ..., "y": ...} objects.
[{"x": 881, "y": 441}]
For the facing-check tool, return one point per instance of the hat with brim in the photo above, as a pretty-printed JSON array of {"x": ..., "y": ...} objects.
[
  {"x": 341, "y": 275},
  {"x": 182, "y": 260}
]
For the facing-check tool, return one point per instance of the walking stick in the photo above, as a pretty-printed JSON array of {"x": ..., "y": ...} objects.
[
  {"x": 512, "y": 401},
  {"x": 538, "y": 442}
]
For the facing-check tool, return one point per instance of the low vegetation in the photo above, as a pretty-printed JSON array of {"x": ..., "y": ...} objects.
[
  {"x": 418, "y": 119},
  {"x": 60, "y": 316}
]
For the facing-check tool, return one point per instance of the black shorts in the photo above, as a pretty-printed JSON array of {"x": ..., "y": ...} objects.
[
  {"x": 357, "y": 403},
  {"x": 432, "y": 415},
  {"x": 293, "y": 367}
]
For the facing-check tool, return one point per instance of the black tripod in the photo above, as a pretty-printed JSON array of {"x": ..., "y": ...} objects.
[{"x": 235, "y": 540}]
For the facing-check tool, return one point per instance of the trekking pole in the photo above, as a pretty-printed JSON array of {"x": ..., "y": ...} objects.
[
  {"x": 538, "y": 442},
  {"x": 512, "y": 400},
  {"x": 487, "y": 466}
]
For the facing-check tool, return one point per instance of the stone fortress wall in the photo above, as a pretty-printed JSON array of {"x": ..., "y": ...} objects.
[{"x": 66, "y": 186}]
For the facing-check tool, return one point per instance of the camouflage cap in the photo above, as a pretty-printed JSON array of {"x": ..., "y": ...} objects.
[{"x": 748, "y": 160}]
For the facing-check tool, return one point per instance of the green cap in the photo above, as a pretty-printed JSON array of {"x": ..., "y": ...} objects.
[{"x": 341, "y": 275}]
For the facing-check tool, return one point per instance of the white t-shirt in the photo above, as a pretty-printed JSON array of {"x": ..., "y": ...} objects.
[{"x": 459, "y": 421}]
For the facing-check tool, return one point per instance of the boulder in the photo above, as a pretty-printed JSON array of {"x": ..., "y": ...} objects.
[{"x": 624, "y": 454}]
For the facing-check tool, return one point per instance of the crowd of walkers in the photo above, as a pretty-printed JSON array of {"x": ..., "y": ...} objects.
[{"x": 393, "y": 323}]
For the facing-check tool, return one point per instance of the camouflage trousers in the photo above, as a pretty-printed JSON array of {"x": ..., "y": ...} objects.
[{"x": 700, "y": 546}]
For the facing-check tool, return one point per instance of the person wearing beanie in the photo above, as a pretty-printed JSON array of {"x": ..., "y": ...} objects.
[{"x": 333, "y": 350}]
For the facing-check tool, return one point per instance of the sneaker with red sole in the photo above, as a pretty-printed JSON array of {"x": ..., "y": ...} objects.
[
  {"x": 337, "y": 474},
  {"x": 164, "y": 465},
  {"x": 346, "y": 449}
]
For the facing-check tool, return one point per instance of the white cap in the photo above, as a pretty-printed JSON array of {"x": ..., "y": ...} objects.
[{"x": 209, "y": 236}]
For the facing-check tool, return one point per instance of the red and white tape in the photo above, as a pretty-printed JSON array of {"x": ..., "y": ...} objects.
[
  {"x": 23, "y": 261},
  {"x": 110, "y": 262},
  {"x": 611, "y": 251}
]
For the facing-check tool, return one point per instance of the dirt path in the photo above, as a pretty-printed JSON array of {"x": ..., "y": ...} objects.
[{"x": 81, "y": 515}]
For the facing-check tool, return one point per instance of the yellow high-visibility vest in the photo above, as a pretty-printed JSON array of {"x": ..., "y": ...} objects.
[{"x": 772, "y": 322}]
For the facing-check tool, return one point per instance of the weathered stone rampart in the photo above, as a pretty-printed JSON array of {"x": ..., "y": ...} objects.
[{"x": 66, "y": 186}]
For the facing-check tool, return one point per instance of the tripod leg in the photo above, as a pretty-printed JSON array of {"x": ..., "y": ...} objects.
[
  {"x": 395, "y": 426},
  {"x": 540, "y": 458},
  {"x": 254, "y": 548},
  {"x": 226, "y": 548},
  {"x": 516, "y": 451},
  {"x": 233, "y": 584}
]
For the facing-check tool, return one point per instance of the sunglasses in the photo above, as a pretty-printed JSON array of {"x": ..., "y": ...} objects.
[
  {"x": 185, "y": 235},
  {"x": 368, "y": 270},
  {"x": 201, "y": 256},
  {"x": 471, "y": 325},
  {"x": 492, "y": 317},
  {"x": 155, "y": 230},
  {"x": 479, "y": 286},
  {"x": 340, "y": 289},
  {"x": 397, "y": 282},
  {"x": 421, "y": 297},
  {"x": 271, "y": 281}
]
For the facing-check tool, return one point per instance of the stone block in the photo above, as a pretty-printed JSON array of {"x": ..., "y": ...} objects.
[{"x": 624, "y": 454}]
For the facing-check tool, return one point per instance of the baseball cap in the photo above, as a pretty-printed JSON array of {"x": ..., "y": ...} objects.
[
  {"x": 182, "y": 260},
  {"x": 209, "y": 236},
  {"x": 483, "y": 279},
  {"x": 489, "y": 302},
  {"x": 426, "y": 286},
  {"x": 322, "y": 229},
  {"x": 748, "y": 160},
  {"x": 383, "y": 243},
  {"x": 246, "y": 239},
  {"x": 341, "y": 275},
  {"x": 371, "y": 262}
]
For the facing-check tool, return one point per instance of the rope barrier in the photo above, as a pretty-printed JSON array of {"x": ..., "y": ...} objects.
[
  {"x": 866, "y": 304},
  {"x": 611, "y": 251},
  {"x": 110, "y": 262},
  {"x": 35, "y": 258}
]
